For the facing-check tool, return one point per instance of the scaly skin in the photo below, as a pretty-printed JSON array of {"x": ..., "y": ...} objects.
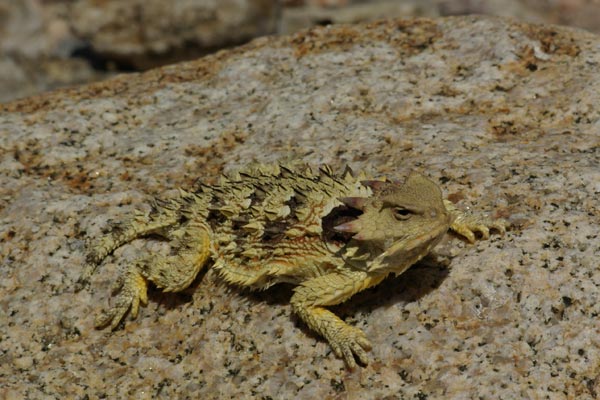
[
  {"x": 312, "y": 296},
  {"x": 347, "y": 341},
  {"x": 332, "y": 235},
  {"x": 467, "y": 225}
]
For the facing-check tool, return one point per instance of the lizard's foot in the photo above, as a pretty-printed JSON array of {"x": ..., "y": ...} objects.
[
  {"x": 467, "y": 225},
  {"x": 132, "y": 290},
  {"x": 347, "y": 342},
  {"x": 309, "y": 299}
]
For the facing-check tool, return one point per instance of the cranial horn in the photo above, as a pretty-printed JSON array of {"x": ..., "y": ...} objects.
[
  {"x": 359, "y": 236},
  {"x": 375, "y": 184},
  {"x": 351, "y": 227},
  {"x": 354, "y": 202}
]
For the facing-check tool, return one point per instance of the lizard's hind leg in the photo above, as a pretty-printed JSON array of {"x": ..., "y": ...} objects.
[{"x": 171, "y": 273}]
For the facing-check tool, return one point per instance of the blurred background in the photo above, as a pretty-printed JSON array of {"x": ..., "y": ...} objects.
[{"x": 46, "y": 44}]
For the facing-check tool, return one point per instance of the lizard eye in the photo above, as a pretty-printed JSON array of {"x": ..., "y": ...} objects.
[{"x": 401, "y": 214}]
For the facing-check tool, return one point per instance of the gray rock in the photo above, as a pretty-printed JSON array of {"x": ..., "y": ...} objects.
[
  {"x": 298, "y": 14},
  {"x": 46, "y": 45},
  {"x": 503, "y": 114},
  {"x": 147, "y": 33},
  {"x": 35, "y": 50}
]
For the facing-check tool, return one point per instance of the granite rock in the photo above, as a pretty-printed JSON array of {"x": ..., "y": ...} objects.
[
  {"x": 503, "y": 114},
  {"x": 49, "y": 44},
  {"x": 302, "y": 13},
  {"x": 36, "y": 46},
  {"x": 147, "y": 33}
]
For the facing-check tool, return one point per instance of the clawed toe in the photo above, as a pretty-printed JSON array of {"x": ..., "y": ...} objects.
[
  {"x": 485, "y": 232},
  {"x": 132, "y": 293},
  {"x": 500, "y": 225},
  {"x": 469, "y": 225},
  {"x": 353, "y": 344},
  {"x": 112, "y": 318},
  {"x": 486, "y": 225}
]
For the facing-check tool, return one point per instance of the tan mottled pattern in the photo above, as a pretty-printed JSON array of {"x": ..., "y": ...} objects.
[{"x": 279, "y": 223}]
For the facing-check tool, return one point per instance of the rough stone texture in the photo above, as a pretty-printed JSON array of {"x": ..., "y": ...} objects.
[
  {"x": 302, "y": 13},
  {"x": 35, "y": 50},
  {"x": 580, "y": 13},
  {"x": 504, "y": 115},
  {"x": 144, "y": 33},
  {"x": 49, "y": 44}
]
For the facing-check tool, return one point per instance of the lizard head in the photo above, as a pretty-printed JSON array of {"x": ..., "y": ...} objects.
[{"x": 399, "y": 224}]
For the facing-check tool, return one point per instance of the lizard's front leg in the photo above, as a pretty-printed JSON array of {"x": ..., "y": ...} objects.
[
  {"x": 466, "y": 224},
  {"x": 309, "y": 300}
]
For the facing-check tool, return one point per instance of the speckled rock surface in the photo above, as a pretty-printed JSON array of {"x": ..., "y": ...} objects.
[
  {"x": 36, "y": 47},
  {"x": 302, "y": 13},
  {"x": 49, "y": 44},
  {"x": 145, "y": 33},
  {"x": 504, "y": 115}
]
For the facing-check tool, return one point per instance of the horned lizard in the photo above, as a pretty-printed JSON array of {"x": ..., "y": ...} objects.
[{"x": 330, "y": 234}]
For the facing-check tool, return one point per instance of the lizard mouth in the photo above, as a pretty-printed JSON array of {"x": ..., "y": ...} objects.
[
  {"x": 339, "y": 215},
  {"x": 407, "y": 250},
  {"x": 414, "y": 244}
]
